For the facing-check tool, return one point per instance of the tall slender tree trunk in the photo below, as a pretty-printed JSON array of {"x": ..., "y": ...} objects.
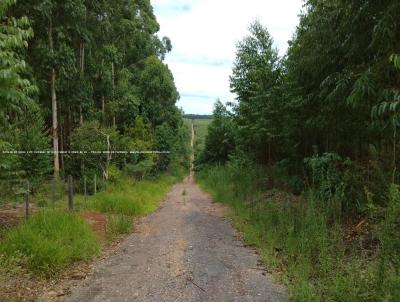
[
  {"x": 113, "y": 89},
  {"x": 394, "y": 151},
  {"x": 70, "y": 123},
  {"x": 62, "y": 139},
  {"x": 54, "y": 107},
  {"x": 82, "y": 68},
  {"x": 113, "y": 77},
  {"x": 82, "y": 58},
  {"x": 80, "y": 115}
]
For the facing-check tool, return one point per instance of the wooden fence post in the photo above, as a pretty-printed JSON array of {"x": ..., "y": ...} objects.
[
  {"x": 27, "y": 213},
  {"x": 70, "y": 193},
  {"x": 53, "y": 192},
  {"x": 84, "y": 186}
]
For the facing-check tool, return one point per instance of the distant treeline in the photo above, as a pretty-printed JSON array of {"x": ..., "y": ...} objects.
[{"x": 198, "y": 116}]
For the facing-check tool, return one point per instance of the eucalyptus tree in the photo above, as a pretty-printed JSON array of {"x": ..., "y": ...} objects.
[
  {"x": 219, "y": 142},
  {"x": 97, "y": 61},
  {"x": 256, "y": 80},
  {"x": 21, "y": 122},
  {"x": 335, "y": 91},
  {"x": 15, "y": 88},
  {"x": 51, "y": 51}
]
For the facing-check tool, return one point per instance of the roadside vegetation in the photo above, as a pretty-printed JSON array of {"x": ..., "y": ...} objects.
[
  {"x": 308, "y": 155},
  {"x": 130, "y": 197},
  {"x": 302, "y": 241},
  {"x": 51, "y": 240},
  {"x": 48, "y": 243},
  {"x": 200, "y": 128},
  {"x": 77, "y": 101}
]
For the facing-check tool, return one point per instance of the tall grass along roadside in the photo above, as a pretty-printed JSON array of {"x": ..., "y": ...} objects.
[
  {"x": 48, "y": 242},
  {"x": 52, "y": 239},
  {"x": 130, "y": 197},
  {"x": 303, "y": 242},
  {"x": 117, "y": 225}
]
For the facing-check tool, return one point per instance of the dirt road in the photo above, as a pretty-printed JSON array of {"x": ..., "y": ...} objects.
[{"x": 186, "y": 251}]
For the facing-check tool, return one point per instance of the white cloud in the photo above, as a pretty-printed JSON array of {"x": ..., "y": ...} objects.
[{"x": 204, "y": 34}]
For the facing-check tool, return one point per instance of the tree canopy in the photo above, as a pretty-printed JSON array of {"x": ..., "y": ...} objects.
[
  {"x": 336, "y": 91},
  {"x": 90, "y": 67}
]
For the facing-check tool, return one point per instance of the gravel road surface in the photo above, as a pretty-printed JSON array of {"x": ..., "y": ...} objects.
[{"x": 186, "y": 251}]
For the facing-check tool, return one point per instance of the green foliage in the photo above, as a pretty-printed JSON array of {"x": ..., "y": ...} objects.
[
  {"x": 197, "y": 117},
  {"x": 158, "y": 89},
  {"x": 114, "y": 174},
  {"x": 27, "y": 136},
  {"x": 388, "y": 276},
  {"x": 299, "y": 240},
  {"x": 97, "y": 145},
  {"x": 32, "y": 136},
  {"x": 50, "y": 241},
  {"x": 107, "y": 61},
  {"x": 9, "y": 167},
  {"x": 305, "y": 118},
  {"x": 325, "y": 175},
  {"x": 395, "y": 59},
  {"x": 131, "y": 198},
  {"x": 219, "y": 142},
  {"x": 200, "y": 128},
  {"x": 140, "y": 170},
  {"x": 341, "y": 67},
  {"x": 256, "y": 79},
  {"x": 14, "y": 87}
]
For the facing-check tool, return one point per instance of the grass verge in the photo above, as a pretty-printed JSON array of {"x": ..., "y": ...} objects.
[
  {"x": 306, "y": 247},
  {"x": 118, "y": 225},
  {"x": 48, "y": 242},
  {"x": 129, "y": 197},
  {"x": 53, "y": 239}
]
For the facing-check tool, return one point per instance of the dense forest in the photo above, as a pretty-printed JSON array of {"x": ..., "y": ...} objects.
[
  {"x": 90, "y": 134},
  {"x": 320, "y": 123},
  {"x": 85, "y": 76}
]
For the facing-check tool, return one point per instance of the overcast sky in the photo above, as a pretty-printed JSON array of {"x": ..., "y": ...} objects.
[{"x": 204, "y": 34}]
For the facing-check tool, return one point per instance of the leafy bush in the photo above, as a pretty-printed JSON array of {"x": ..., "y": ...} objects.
[
  {"x": 50, "y": 241},
  {"x": 114, "y": 174},
  {"x": 140, "y": 170},
  {"x": 339, "y": 182},
  {"x": 288, "y": 174},
  {"x": 93, "y": 140}
]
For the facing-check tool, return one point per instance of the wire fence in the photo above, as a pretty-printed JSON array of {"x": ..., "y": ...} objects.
[{"x": 19, "y": 198}]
